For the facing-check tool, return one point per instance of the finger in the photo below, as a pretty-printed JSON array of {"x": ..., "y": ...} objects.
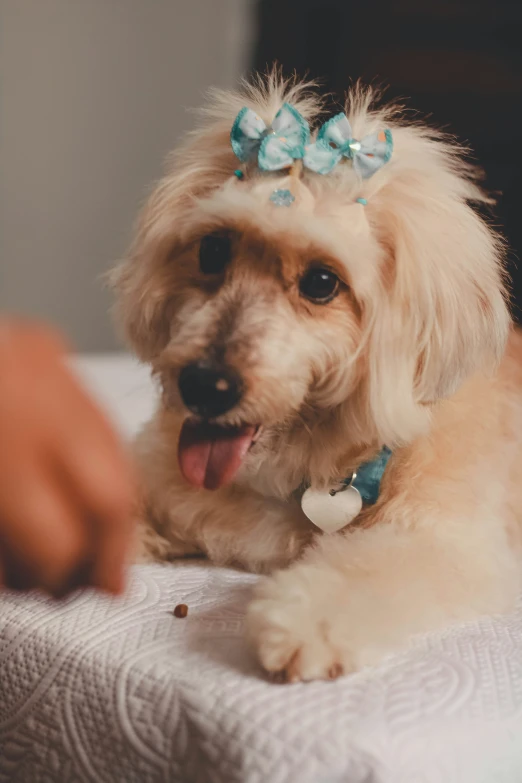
[
  {"x": 88, "y": 457},
  {"x": 80, "y": 577},
  {"x": 102, "y": 484},
  {"x": 108, "y": 571},
  {"x": 90, "y": 453},
  {"x": 18, "y": 577},
  {"x": 42, "y": 536}
]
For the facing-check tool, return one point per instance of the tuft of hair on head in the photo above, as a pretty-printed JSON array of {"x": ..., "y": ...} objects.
[
  {"x": 206, "y": 155},
  {"x": 265, "y": 94}
]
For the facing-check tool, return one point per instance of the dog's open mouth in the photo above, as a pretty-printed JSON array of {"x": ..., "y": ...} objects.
[{"x": 209, "y": 455}]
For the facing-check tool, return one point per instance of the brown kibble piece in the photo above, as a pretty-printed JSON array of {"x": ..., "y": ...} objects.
[{"x": 181, "y": 610}]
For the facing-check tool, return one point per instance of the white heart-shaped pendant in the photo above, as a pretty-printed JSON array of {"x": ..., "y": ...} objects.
[{"x": 331, "y": 512}]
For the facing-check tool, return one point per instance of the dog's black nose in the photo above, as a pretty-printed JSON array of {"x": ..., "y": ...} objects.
[{"x": 209, "y": 390}]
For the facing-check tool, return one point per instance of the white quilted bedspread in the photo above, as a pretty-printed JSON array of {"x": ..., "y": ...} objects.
[{"x": 102, "y": 690}]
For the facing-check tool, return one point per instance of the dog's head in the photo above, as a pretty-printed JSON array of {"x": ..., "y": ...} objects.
[{"x": 355, "y": 316}]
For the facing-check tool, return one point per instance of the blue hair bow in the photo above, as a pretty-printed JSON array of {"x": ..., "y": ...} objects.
[
  {"x": 335, "y": 141},
  {"x": 288, "y": 139},
  {"x": 276, "y": 146}
]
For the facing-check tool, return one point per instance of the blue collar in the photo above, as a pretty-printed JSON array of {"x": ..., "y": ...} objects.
[{"x": 369, "y": 476}]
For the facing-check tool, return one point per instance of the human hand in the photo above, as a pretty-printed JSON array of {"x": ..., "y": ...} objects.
[{"x": 66, "y": 489}]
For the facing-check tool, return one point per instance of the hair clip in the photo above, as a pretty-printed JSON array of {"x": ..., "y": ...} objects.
[
  {"x": 276, "y": 146},
  {"x": 335, "y": 142},
  {"x": 285, "y": 144}
]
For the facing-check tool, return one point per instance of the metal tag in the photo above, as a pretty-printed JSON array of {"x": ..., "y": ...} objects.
[{"x": 331, "y": 511}]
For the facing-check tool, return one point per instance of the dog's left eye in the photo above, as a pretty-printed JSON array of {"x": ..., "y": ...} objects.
[
  {"x": 319, "y": 285},
  {"x": 215, "y": 252}
]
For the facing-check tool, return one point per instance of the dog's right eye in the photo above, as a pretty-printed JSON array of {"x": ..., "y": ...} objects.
[{"x": 215, "y": 252}]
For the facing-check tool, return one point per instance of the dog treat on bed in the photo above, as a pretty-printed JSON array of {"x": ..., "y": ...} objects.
[{"x": 181, "y": 610}]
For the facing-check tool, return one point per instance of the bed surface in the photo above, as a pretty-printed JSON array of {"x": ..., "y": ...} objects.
[{"x": 98, "y": 689}]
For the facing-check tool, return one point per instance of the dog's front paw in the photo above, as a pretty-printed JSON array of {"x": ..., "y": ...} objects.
[
  {"x": 295, "y": 626},
  {"x": 149, "y": 546}
]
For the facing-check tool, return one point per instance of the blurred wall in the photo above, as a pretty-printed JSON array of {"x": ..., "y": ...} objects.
[{"x": 94, "y": 93}]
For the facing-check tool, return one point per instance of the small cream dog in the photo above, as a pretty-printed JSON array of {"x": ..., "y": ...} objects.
[{"x": 305, "y": 300}]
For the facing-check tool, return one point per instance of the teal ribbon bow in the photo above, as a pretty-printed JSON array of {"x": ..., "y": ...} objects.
[
  {"x": 276, "y": 146},
  {"x": 335, "y": 141},
  {"x": 288, "y": 139}
]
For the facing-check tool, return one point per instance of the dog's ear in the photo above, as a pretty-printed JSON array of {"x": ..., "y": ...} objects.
[
  {"x": 145, "y": 281},
  {"x": 142, "y": 287},
  {"x": 441, "y": 314}
]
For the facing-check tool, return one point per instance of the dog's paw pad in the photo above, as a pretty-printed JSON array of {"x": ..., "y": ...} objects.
[
  {"x": 292, "y": 637},
  {"x": 297, "y": 670}
]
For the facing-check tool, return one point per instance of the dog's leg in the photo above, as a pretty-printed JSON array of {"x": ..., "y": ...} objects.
[
  {"x": 152, "y": 547},
  {"x": 357, "y": 597}
]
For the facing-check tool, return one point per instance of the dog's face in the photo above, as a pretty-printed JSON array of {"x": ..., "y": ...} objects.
[
  {"x": 263, "y": 334},
  {"x": 276, "y": 325},
  {"x": 264, "y": 318}
]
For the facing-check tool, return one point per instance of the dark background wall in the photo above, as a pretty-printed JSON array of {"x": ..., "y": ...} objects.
[{"x": 457, "y": 62}]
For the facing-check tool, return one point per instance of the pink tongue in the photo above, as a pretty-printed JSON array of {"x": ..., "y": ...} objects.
[{"x": 209, "y": 456}]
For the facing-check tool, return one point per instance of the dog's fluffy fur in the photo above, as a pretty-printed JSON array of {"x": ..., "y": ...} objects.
[{"x": 412, "y": 354}]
